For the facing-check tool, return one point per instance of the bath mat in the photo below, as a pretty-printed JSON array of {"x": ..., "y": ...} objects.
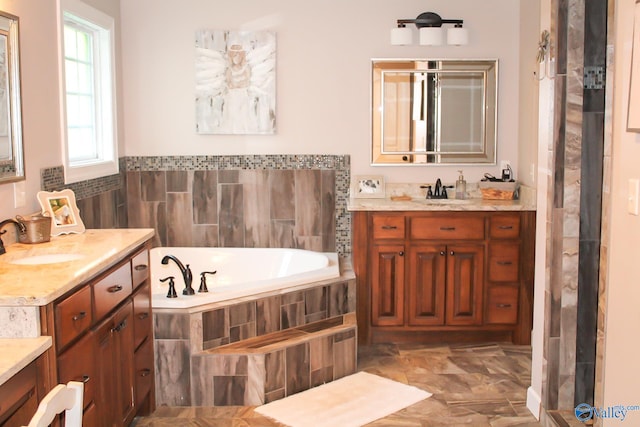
[{"x": 351, "y": 401}]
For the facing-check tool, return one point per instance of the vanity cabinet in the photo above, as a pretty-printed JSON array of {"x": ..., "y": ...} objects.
[
  {"x": 20, "y": 394},
  {"x": 433, "y": 276},
  {"x": 102, "y": 335}
]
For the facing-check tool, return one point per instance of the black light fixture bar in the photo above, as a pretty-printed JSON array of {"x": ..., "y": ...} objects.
[{"x": 429, "y": 19}]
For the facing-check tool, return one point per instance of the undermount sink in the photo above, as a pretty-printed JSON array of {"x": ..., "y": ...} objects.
[
  {"x": 444, "y": 201},
  {"x": 47, "y": 259}
]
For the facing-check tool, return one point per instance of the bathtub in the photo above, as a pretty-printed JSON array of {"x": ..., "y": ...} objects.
[{"x": 240, "y": 272}]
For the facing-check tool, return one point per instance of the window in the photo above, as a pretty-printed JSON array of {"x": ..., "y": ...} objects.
[{"x": 87, "y": 92}]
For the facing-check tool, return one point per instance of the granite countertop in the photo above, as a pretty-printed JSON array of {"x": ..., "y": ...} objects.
[
  {"x": 38, "y": 285},
  {"x": 418, "y": 201},
  {"x": 19, "y": 352}
]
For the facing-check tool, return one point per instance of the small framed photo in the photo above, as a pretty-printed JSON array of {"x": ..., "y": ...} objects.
[
  {"x": 367, "y": 187},
  {"x": 61, "y": 206}
]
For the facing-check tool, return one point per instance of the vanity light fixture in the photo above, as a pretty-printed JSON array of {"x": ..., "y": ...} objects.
[{"x": 431, "y": 32}]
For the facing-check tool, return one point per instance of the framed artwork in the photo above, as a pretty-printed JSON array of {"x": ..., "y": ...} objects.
[
  {"x": 368, "y": 187},
  {"x": 633, "y": 113},
  {"x": 235, "y": 82},
  {"x": 61, "y": 206}
]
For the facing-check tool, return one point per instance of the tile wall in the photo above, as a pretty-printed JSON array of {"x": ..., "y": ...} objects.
[{"x": 291, "y": 201}]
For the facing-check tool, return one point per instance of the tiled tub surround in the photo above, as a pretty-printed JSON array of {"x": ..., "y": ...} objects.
[
  {"x": 257, "y": 349},
  {"x": 282, "y": 201},
  {"x": 287, "y": 201}
]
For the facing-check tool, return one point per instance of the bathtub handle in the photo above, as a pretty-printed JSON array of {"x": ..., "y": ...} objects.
[
  {"x": 172, "y": 287},
  {"x": 203, "y": 281}
]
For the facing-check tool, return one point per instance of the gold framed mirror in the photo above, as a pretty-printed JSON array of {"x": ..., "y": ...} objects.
[
  {"x": 11, "y": 148},
  {"x": 434, "y": 111}
]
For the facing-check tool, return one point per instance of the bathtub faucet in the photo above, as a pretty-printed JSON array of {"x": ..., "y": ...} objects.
[{"x": 186, "y": 273}]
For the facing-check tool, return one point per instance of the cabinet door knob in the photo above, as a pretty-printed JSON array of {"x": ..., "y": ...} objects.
[
  {"x": 79, "y": 316},
  {"x": 452, "y": 253},
  {"x": 442, "y": 253},
  {"x": 115, "y": 288},
  {"x": 401, "y": 253},
  {"x": 143, "y": 316}
]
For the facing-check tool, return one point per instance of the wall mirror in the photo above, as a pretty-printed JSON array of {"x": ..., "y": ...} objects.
[
  {"x": 11, "y": 151},
  {"x": 434, "y": 111}
]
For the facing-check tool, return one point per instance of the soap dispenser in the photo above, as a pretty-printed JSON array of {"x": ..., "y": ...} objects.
[{"x": 461, "y": 187}]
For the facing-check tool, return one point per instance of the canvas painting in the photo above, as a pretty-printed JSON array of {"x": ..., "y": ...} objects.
[{"x": 235, "y": 82}]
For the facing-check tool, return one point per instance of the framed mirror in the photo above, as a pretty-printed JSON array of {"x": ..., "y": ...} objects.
[
  {"x": 11, "y": 150},
  {"x": 434, "y": 111}
]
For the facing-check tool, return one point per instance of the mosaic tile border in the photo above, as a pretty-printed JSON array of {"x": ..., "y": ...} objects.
[{"x": 52, "y": 179}]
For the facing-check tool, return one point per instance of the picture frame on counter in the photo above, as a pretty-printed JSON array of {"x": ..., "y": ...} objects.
[
  {"x": 62, "y": 207},
  {"x": 368, "y": 187}
]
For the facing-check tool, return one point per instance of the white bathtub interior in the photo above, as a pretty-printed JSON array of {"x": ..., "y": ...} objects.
[{"x": 240, "y": 272}]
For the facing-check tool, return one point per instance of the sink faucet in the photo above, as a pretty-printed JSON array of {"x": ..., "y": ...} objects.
[
  {"x": 20, "y": 226},
  {"x": 437, "y": 189},
  {"x": 186, "y": 273}
]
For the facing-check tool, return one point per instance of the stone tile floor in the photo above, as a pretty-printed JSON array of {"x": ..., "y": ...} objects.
[{"x": 472, "y": 385}]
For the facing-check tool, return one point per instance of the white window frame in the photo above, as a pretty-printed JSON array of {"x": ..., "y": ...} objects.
[{"x": 103, "y": 27}]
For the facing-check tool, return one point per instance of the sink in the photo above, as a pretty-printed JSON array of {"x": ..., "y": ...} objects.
[
  {"x": 47, "y": 259},
  {"x": 444, "y": 201}
]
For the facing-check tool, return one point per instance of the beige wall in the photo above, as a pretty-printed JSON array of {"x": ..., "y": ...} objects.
[
  {"x": 323, "y": 74},
  {"x": 621, "y": 377}
]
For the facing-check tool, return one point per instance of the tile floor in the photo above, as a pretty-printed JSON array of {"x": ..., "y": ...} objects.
[{"x": 474, "y": 385}]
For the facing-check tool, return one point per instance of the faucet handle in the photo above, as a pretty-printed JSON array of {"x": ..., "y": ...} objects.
[
  {"x": 203, "y": 281},
  {"x": 172, "y": 287}
]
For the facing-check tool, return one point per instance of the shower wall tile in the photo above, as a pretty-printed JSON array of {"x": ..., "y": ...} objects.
[
  {"x": 275, "y": 372},
  {"x": 205, "y": 236},
  {"x": 282, "y": 234},
  {"x": 171, "y": 326},
  {"x": 282, "y": 194},
  {"x": 255, "y": 187},
  {"x": 268, "y": 315},
  {"x": 205, "y": 197},
  {"x": 179, "y": 214},
  {"x": 308, "y": 205},
  {"x": 230, "y": 208},
  {"x": 153, "y": 186},
  {"x": 177, "y": 181}
]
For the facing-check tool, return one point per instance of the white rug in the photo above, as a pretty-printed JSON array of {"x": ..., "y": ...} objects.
[{"x": 351, "y": 401}]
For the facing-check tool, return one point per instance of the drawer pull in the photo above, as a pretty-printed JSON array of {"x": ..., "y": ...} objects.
[
  {"x": 145, "y": 372},
  {"x": 79, "y": 316},
  {"x": 140, "y": 267},
  {"x": 389, "y": 227},
  {"x": 143, "y": 316},
  {"x": 447, "y": 228},
  {"x": 115, "y": 288},
  {"x": 505, "y": 227},
  {"x": 504, "y": 262},
  {"x": 502, "y": 305},
  {"x": 120, "y": 326}
]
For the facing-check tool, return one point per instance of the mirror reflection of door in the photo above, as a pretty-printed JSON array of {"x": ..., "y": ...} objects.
[{"x": 434, "y": 111}]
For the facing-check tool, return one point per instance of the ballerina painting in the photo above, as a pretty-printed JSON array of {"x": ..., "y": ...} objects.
[{"x": 235, "y": 82}]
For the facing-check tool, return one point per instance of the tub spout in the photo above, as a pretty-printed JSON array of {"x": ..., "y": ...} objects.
[{"x": 186, "y": 273}]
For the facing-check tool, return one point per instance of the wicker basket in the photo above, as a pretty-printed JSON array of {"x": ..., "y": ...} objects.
[{"x": 498, "y": 190}]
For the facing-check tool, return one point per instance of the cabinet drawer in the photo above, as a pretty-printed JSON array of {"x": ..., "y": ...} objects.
[
  {"x": 140, "y": 268},
  {"x": 144, "y": 371},
  {"x": 141, "y": 315},
  {"x": 502, "y": 305},
  {"x": 19, "y": 392},
  {"x": 503, "y": 262},
  {"x": 388, "y": 227},
  {"x": 112, "y": 290},
  {"x": 446, "y": 228},
  {"x": 78, "y": 364},
  {"x": 505, "y": 226},
  {"x": 73, "y": 316}
]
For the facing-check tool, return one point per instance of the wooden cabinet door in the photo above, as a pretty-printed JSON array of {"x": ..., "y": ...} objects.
[
  {"x": 387, "y": 285},
  {"x": 116, "y": 365},
  {"x": 426, "y": 285},
  {"x": 464, "y": 284}
]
